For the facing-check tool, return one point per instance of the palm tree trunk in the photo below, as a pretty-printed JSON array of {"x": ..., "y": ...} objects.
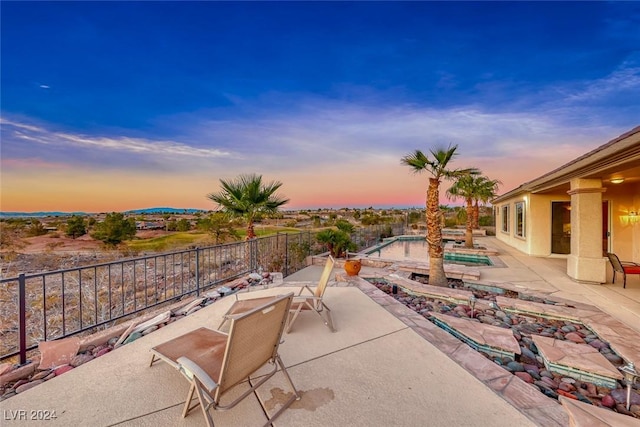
[
  {"x": 434, "y": 235},
  {"x": 468, "y": 240},
  {"x": 251, "y": 234},
  {"x": 476, "y": 216}
]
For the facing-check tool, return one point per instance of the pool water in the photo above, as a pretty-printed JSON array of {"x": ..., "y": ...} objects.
[{"x": 418, "y": 250}]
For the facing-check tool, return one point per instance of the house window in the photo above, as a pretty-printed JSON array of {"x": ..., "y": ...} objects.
[
  {"x": 520, "y": 221},
  {"x": 505, "y": 218}
]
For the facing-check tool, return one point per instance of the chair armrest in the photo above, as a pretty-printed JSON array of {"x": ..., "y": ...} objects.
[
  {"x": 629, "y": 264},
  {"x": 191, "y": 369},
  {"x": 302, "y": 289}
]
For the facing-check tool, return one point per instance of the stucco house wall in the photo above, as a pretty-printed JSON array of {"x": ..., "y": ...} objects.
[{"x": 610, "y": 173}]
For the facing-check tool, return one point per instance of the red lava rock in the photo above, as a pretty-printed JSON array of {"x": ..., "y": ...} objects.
[
  {"x": 80, "y": 359},
  {"x": 41, "y": 375},
  {"x": 27, "y": 386},
  {"x": 549, "y": 382},
  {"x": 608, "y": 401},
  {"x": 20, "y": 382},
  {"x": 98, "y": 348},
  {"x": 591, "y": 389},
  {"x": 566, "y": 387},
  {"x": 566, "y": 394},
  {"x": 620, "y": 395},
  {"x": 524, "y": 377},
  {"x": 574, "y": 337},
  {"x": 62, "y": 369},
  {"x": 103, "y": 352}
]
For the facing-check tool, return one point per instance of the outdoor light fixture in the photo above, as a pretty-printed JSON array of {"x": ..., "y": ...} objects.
[
  {"x": 631, "y": 218},
  {"x": 472, "y": 303},
  {"x": 617, "y": 180},
  {"x": 630, "y": 376}
]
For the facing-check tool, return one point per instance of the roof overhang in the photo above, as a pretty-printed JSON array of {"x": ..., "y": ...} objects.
[{"x": 619, "y": 157}]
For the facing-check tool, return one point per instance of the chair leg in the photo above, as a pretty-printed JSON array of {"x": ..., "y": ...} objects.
[
  {"x": 293, "y": 318},
  {"x": 296, "y": 394},
  {"x": 329, "y": 321},
  {"x": 624, "y": 281},
  {"x": 187, "y": 404},
  {"x": 203, "y": 405}
]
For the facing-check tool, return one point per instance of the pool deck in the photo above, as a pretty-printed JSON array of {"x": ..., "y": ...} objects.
[{"x": 385, "y": 365}]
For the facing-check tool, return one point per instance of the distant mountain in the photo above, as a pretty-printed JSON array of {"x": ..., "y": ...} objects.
[
  {"x": 163, "y": 210},
  {"x": 147, "y": 211},
  {"x": 37, "y": 214}
]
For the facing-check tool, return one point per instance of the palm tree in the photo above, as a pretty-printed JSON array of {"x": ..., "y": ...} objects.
[
  {"x": 437, "y": 167},
  {"x": 487, "y": 190},
  {"x": 247, "y": 196},
  {"x": 464, "y": 188},
  {"x": 473, "y": 189}
]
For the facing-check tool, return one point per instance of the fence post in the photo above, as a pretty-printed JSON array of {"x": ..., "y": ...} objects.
[
  {"x": 286, "y": 254},
  {"x": 22, "y": 317},
  {"x": 197, "y": 272}
]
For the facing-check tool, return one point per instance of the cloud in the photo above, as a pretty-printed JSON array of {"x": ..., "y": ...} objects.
[{"x": 23, "y": 139}]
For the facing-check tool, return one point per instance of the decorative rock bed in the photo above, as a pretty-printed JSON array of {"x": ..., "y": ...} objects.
[{"x": 529, "y": 365}]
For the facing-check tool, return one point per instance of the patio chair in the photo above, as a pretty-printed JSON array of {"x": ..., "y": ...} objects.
[
  {"x": 312, "y": 302},
  {"x": 623, "y": 267},
  {"x": 215, "y": 362}
]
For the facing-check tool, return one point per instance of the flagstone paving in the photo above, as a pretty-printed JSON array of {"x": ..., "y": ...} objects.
[
  {"x": 580, "y": 361},
  {"x": 492, "y": 340}
]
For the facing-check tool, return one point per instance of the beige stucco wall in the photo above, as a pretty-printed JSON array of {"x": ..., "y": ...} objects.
[
  {"x": 522, "y": 244},
  {"x": 537, "y": 240},
  {"x": 625, "y": 232}
]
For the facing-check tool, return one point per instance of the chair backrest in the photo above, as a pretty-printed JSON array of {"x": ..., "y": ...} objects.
[
  {"x": 615, "y": 262},
  {"x": 324, "y": 279},
  {"x": 253, "y": 340}
]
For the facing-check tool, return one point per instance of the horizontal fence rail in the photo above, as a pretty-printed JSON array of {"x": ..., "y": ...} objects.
[{"x": 58, "y": 304}]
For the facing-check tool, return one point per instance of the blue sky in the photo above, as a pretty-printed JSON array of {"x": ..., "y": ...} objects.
[{"x": 123, "y": 105}]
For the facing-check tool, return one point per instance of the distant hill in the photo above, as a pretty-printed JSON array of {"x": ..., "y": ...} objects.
[
  {"x": 147, "y": 211},
  {"x": 37, "y": 214},
  {"x": 163, "y": 210}
]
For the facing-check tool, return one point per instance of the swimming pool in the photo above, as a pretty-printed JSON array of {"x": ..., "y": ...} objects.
[{"x": 416, "y": 249}]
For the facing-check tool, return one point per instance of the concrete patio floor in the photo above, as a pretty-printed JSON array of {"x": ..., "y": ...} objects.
[{"x": 375, "y": 370}]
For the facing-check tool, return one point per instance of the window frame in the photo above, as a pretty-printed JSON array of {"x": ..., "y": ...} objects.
[
  {"x": 504, "y": 211},
  {"x": 519, "y": 220}
]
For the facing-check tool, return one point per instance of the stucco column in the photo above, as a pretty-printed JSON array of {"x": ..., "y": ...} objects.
[{"x": 586, "y": 262}]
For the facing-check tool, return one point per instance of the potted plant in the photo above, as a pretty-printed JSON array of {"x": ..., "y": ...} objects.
[{"x": 339, "y": 243}]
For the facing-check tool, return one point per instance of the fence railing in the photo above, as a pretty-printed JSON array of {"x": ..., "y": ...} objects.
[{"x": 57, "y": 304}]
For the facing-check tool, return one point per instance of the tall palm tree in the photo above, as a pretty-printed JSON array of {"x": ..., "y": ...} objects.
[
  {"x": 473, "y": 189},
  {"x": 487, "y": 190},
  {"x": 464, "y": 187},
  {"x": 437, "y": 166},
  {"x": 247, "y": 196}
]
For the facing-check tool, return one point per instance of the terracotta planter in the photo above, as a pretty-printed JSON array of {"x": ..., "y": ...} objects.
[{"x": 352, "y": 267}]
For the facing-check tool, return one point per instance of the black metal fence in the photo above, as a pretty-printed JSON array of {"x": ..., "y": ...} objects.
[{"x": 56, "y": 304}]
